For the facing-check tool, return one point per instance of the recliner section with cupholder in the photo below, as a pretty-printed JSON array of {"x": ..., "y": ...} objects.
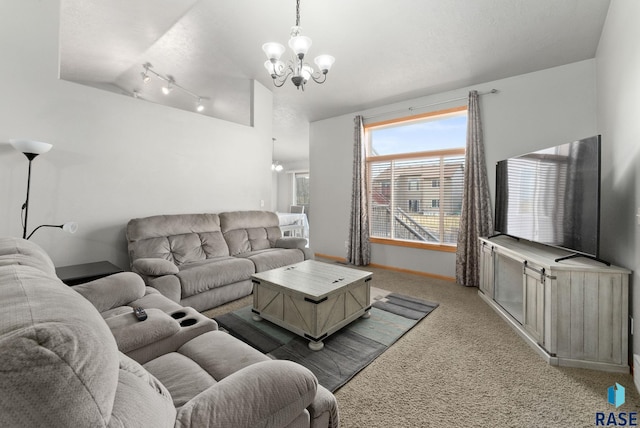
[{"x": 97, "y": 364}]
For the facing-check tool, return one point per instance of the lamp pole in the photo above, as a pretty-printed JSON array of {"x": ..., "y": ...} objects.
[{"x": 25, "y": 207}]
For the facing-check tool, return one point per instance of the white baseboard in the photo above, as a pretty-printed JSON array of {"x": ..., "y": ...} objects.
[{"x": 636, "y": 371}]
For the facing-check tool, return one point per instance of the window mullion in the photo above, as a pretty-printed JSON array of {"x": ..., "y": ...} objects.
[
  {"x": 442, "y": 202},
  {"x": 392, "y": 202}
]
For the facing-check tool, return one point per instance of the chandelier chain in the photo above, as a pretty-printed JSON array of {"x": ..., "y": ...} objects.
[{"x": 297, "y": 13}]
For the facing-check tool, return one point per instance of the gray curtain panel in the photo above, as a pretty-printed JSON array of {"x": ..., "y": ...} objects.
[
  {"x": 475, "y": 218},
  {"x": 359, "y": 247}
]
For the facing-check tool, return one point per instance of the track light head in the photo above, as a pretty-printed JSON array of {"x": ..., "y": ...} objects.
[
  {"x": 145, "y": 73},
  {"x": 167, "y": 89}
]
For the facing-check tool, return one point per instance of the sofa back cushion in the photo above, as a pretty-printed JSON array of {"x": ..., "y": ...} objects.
[
  {"x": 247, "y": 231},
  {"x": 59, "y": 359},
  {"x": 179, "y": 238},
  {"x": 25, "y": 253}
]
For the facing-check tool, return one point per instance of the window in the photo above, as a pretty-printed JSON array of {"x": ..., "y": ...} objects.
[
  {"x": 415, "y": 168},
  {"x": 301, "y": 189},
  {"x": 414, "y": 184}
]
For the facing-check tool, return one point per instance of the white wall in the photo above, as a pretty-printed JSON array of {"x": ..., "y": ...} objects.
[
  {"x": 113, "y": 158},
  {"x": 530, "y": 112},
  {"x": 618, "y": 82}
]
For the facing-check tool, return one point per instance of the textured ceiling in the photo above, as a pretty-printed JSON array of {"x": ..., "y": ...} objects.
[{"x": 386, "y": 51}]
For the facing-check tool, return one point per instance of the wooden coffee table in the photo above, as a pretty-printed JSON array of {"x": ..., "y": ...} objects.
[{"x": 312, "y": 299}]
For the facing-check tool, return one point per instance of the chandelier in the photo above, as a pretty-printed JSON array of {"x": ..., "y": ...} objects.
[{"x": 299, "y": 71}]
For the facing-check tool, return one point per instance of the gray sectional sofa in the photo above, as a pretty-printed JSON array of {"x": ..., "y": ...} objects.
[
  {"x": 205, "y": 260},
  {"x": 78, "y": 357}
]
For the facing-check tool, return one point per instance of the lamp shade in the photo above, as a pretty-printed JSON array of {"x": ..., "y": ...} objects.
[
  {"x": 70, "y": 227},
  {"x": 273, "y": 50},
  {"x": 274, "y": 67},
  {"x": 300, "y": 44},
  {"x": 30, "y": 146},
  {"x": 306, "y": 72},
  {"x": 324, "y": 62}
]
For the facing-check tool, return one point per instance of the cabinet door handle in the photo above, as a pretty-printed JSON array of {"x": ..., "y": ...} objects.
[{"x": 538, "y": 271}]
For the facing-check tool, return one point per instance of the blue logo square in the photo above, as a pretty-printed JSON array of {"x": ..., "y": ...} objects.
[{"x": 616, "y": 395}]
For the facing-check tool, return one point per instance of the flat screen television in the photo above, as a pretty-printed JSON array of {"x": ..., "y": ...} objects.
[{"x": 552, "y": 196}]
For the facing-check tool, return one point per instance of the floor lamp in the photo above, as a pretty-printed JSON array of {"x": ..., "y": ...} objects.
[{"x": 31, "y": 149}]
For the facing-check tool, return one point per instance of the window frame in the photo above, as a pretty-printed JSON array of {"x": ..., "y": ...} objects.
[{"x": 450, "y": 248}]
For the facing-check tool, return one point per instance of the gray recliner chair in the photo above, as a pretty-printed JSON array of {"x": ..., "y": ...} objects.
[{"x": 61, "y": 365}]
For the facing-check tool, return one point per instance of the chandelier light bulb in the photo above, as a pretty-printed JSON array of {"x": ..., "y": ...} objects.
[{"x": 199, "y": 106}]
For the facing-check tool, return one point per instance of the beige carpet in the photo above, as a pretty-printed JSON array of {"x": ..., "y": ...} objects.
[{"x": 463, "y": 366}]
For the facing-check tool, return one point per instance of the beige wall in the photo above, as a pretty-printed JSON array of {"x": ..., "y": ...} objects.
[{"x": 114, "y": 157}]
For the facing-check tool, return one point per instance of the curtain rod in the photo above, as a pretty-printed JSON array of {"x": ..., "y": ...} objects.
[{"x": 493, "y": 91}]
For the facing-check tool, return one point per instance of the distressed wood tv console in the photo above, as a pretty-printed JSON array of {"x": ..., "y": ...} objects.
[{"x": 572, "y": 312}]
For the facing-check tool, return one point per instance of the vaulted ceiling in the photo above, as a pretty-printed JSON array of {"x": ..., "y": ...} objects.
[{"x": 385, "y": 50}]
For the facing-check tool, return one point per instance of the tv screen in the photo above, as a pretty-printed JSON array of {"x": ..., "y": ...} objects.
[{"x": 552, "y": 196}]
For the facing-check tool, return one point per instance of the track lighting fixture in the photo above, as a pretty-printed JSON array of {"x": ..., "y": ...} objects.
[{"x": 170, "y": 86}]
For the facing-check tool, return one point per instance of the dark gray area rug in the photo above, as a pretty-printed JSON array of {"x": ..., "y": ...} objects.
[{"x": 346, "y": 351}]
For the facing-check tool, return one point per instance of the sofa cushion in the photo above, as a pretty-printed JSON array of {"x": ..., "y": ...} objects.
[
  {"x": 198, "y": 277},
  {"x": 247, "y": 231},
  {"x": 231, "y": 354},
  {"x": 273, "y": 258},
  {"x": 130, "y": 333},
  {"x": 55, "y": 339},
  {"x": 238, "y": 241},
  {"x": 180, "y": 238},
  {"x": 141, "y": 400},
  {"x": 139, "y": 229},
  {"x": 25, "y": 253},
  {"x": 183, "y": 377}
]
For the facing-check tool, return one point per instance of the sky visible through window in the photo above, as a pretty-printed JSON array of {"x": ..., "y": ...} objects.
[{"x": 443, "y": 133}]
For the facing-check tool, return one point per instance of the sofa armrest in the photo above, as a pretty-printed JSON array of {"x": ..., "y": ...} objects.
[
  {"x": 112, "y": 291},
  {"x": 154, "y": 267},
  {"x": 132, "y": 334},
  {"x": 295, "y": 243},
  {"x": 265, "y": 394},
  {"x": 168, "y": 285},
  {"x": 291, "y": 242},
  {"x": 324, "y": 410}
]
